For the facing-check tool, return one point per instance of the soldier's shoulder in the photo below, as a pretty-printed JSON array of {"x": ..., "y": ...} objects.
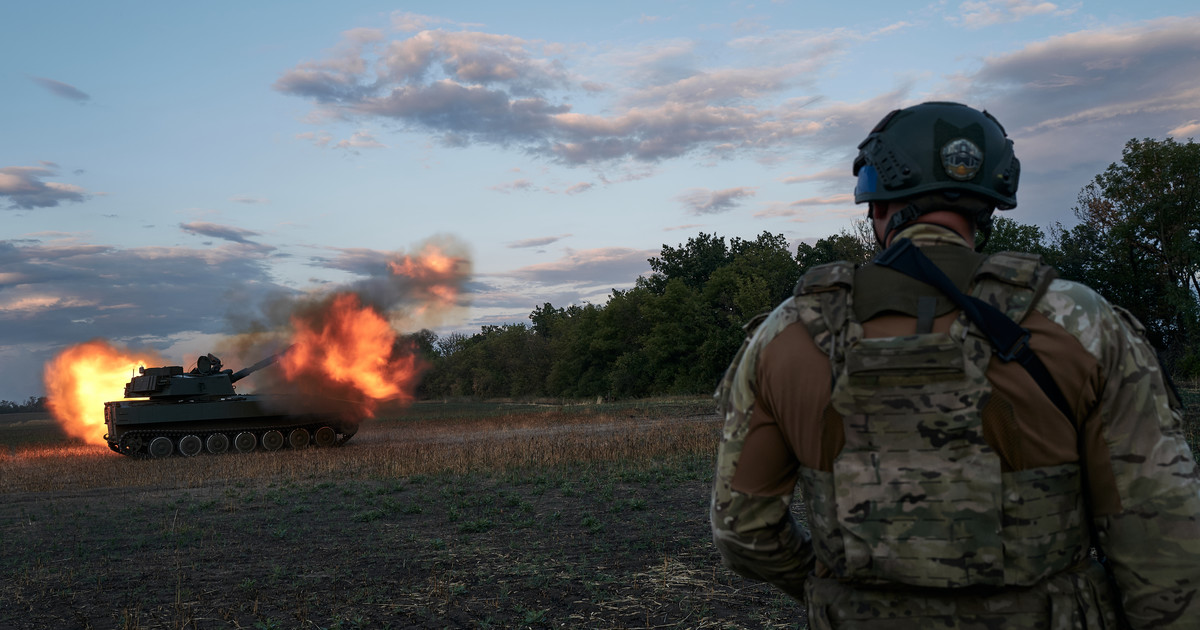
[
  {"x": 826, "y": 277},
  {"x": 1062, "y": 292},
  {"x": 783, "y": 315},
  {"x": 1080, "y": 310}
]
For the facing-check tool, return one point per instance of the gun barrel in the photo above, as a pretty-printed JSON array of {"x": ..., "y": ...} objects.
[{"x": 247, "y": 371}]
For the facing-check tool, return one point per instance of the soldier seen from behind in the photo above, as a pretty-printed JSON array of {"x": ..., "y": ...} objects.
[{"x": 977, "y": 443}]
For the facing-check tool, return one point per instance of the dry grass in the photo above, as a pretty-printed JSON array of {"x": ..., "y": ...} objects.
[
  {"x": 450, "y": 515},
  {"x": 385, "y": 449},
  {"x": 455, "y": 515}
]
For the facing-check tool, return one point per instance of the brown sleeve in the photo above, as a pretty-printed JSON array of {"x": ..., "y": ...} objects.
[{"x": 786, "y": 425}]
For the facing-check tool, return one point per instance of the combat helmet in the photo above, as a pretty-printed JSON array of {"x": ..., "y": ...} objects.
[{"x": 953, "y": 155}]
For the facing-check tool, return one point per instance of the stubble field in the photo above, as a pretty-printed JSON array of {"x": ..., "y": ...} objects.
[{"x": 445, "y": 516}]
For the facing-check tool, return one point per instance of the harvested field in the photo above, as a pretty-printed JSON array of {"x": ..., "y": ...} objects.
[{"x": 450, "y": 515}]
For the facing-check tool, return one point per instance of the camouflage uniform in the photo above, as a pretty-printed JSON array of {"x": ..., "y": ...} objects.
[{"x": 942, "y": 486}]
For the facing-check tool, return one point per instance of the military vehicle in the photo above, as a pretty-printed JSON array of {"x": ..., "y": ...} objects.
[{"x": 173, "y": 413}]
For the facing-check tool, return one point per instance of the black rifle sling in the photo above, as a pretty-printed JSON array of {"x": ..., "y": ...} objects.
[{"x": 1010, "y": 339}]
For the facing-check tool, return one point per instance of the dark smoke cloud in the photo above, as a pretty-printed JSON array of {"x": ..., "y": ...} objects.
[{"x": 393, "y": 294}]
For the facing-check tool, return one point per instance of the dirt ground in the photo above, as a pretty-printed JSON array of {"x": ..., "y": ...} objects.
[{"x": 598, "y": 545}]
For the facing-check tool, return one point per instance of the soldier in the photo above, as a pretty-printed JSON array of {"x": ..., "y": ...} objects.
[{"x": 976, "y": 442}]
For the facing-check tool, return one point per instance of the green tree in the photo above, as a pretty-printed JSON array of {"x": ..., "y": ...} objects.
[
  {"x": 1009, "y": 235},
  {"x": 692, "y": 263},
  {"x": 578, "y": 368},
  {"x": 1143, "y": 221},
  {"x": 766, "y": 264},
  {"x": 851, "y": 245}
]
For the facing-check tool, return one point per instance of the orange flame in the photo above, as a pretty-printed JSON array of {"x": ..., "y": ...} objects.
[
  {"x": 436, "y": 274},
  {"x": 79, "y": 381},
  {"x": 348, "y": 352}
]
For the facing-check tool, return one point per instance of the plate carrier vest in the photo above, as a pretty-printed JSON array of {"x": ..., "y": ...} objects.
[{"x": 917, "y": 496}]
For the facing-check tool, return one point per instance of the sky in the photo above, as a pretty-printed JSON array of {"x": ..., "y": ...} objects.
[{"x": 167, "y": 170}]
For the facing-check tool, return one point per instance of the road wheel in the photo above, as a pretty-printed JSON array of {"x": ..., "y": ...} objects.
[
  {"x": 298, "y": 438},
  {"x": 217, "y": 443},
  {"x": 325, "y": 437},
  {"x": 161, "y": 446},
  {"x": 272, "y": 440},
  {"x": 245, "y": 442},
  {"x": 190, "y": 446}
]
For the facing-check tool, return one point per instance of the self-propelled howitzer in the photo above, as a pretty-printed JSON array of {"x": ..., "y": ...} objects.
[{"x": 169, "y": 412}]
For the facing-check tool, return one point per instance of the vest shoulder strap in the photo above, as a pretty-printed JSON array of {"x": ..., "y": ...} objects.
[
  {"x": 827, "y": 277},
  {"x": 823, "y": 300},
  {"x": 1012, "y": 282},
  {"x": 1003, "y": 293}
]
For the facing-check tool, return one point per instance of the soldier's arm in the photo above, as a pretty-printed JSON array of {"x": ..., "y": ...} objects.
[
  {"x": 755, "y": 533},
  {"x": 1150, "y": 529}
]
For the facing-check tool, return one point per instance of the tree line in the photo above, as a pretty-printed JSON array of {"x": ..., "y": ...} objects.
[
  {"x": 31, "y": 404},
  {"x": 1137, "y": 243}
]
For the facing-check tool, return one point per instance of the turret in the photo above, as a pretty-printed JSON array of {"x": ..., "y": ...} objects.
[{"x": 207, "y": 380}]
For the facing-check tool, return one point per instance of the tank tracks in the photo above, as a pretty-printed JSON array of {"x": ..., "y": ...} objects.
[{"x": 158, "y": 443}]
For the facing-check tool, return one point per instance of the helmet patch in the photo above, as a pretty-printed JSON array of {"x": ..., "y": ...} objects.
[{"x": 961, "y": 159}]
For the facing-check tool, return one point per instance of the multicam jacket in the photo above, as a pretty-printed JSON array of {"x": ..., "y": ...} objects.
[{"x": 941, "y": 484}]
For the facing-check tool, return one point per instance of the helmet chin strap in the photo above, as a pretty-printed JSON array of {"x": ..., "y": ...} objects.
[
  {"x": 983, "y": 224},
  {"x": 903, "y": 217},
  {"x": 909, "y": 213}
]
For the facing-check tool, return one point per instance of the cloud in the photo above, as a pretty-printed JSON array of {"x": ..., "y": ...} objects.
[
  {"x": 360, "y": 140},
  {"x": 892, "y": 28},
  {"x": 318, "y": 138},
  {"x": 411, "y": 22},
  {"x": 577, "y": 277},
  {"x": 501, "y": 292},
  {"x": 223, "y": 232},
  {"x": 722, "y": 86},
  {"x": 519, "y": 184},
  {"x": 610, "y": 266},
  {"x": 537, "y": 242},
  {"x": 803, "y": 209},
  {"x": 59, "y": 292},
  {"x": 1071, "y": 102},
  {"x": 356, "y": 260},
  {"x": 701, "y": 201},
  {"x": 981, "y": 13},
  {"x": 58, "y": 88},
  {"x": 64, "y": 292},
  {"x": 336, "y": 76},
  {"x": 1186, "y": 130},
  {"x": 575, "y": 189},
  {"x": 839, "y": 175},
  {"x": 249, "y": 200},
  {"x": 24, "y": 188},
  {"x": 469, "y": 87}
]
